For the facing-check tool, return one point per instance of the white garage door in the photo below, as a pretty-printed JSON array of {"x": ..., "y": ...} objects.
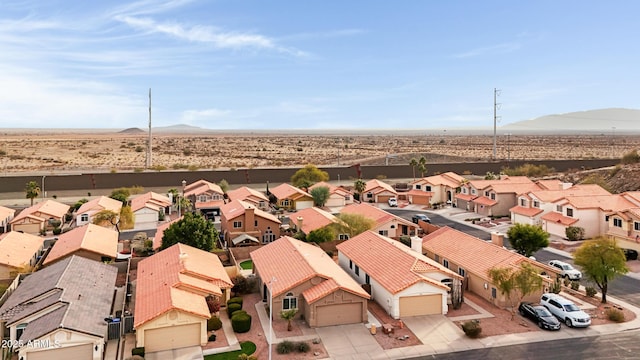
[
  {"x": 81, "y": 352},
  {"x": 421, "y": 305},
  {"x": 174, "y": 337},
  {"x": 339, "y": 314},
  {"x": 303, "y": 205}
]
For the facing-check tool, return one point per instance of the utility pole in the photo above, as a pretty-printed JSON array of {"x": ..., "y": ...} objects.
[
  {"x": 149, "y": 141},
  {"x": 496, "y": 92}
]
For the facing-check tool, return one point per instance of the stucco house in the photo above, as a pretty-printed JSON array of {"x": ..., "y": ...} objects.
[
  {"x": 205, "y": 196},
  {"x": 251, "y": 196},
  {"x": 39, "y": 217},
  {"x": 338, "y": 196},
  {"x": 147, "y": 208},
  {"x": 290, "y": 197},
  {"x": 377, "y": 191},
  {"x": 6, "y": 215},
  {"x": 86, "y": 212},
  {"x": 386, "y": 224},
  {"x": 472, "y": 258},
  {"x": 404, "y": 282},
  {"x": 435, "y": 189},
  {"x": 532, "y": 204},
  {"x": 623, "y": 226},
  {"x": 475, "y": 195},
  {"x": 61, "y": 311},
  {"x": 243, "y": 224},
  {"x": 310, "y": 281},
  {"x": 310, "y": 219},
  {"x": 170, "y": 304},
  {"x": 89, "y": 241},
  {"x": 18, "y": 252}
]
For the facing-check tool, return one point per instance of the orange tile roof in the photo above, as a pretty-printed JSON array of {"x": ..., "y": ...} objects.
[
  {"x": 378, "y": 215},
  {"x": 393, "y": 265},
  {"x": 157, "y": 238},
  {"x": 576, "y": 190},
  {"x": 90, "y": 237},
  {"x": 449, "y": 179},
  {"x": 6, "y": 213},
  {"x": 481, "y": 184},
  {"x": 291, "y": 262},
  {"x": 474, "y": 255},
  {"x": 414, "y": 192},
  {"x": 237, "y": 207},
  {"x": 483, "y": 200},
  {"x": 312, "y": 219},
  {"x": 164, "y": 280},
  {"x": 284, "y": 191},
  {"x": 465, "y": 197},
  {"x": 633, "y": 195},
  {"x": 513, "y": 188},
  {"x": 605, "y": 202},
  {"x": 101, "y": 203},
  {"x": 526, "y": 211},
  {"x": 553, "y": 184},
  {"x": 18, "y": 248},
  {"x": 377, "y": 186},
  {"x": 201, "y": 187},
  {"x": 559, "y": 218},
  {"x": 244, "y": 192},
  {"x": 150, "y": 200},
  {"x": 49, "y": 208}
]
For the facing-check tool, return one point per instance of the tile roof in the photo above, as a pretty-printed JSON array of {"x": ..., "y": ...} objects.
[
  {"x": 553, "y": 184},
  {"x": 474, "y": 255},
  {"x": 18, "y": 248},
  {"x": 559, "y": 218},
  {"x": 284, "y": 191},
  {"x": 312, "y": 219},
  {"x": 607, "y": 202},
  {"x": 465, "y": 197},
  {"x": 86, "y": 299},
  {"x": 101, "y": 203},
  {"x": 449, "y": 179},
  {"x": 5, "y": 213},
  {"x": 332, "y": 189},
  {"x": 482, "y": 184},
  {"x": 164, "y": 280},
  {"x": 526, "y": 211},
  {"x": 378, "y": 215},
  {"x": 201, "y": 187},
  {"x": 291, "y": 262},
  {"x": 90, "y": 237},
  {"x": 244, "y": 192},
  {"x": 633, "y": 196},
  {"x": 49, "y": 208},
  {"x": 377, "y": 186},
  {"x": 483, "y": 200},
  {"x": 157, "y": 238},
  {"x": 415, "y": 192},
  {"x": 237, "y": 207},
  {"x": 392, "y": 264},
  {"x": 509, "y": 188},
  {"x": 576, "y": 190},
  {"x": 151, "y": 200}
]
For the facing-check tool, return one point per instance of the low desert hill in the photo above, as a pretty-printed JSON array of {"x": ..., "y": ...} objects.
[{"x": 604, "y": 121}]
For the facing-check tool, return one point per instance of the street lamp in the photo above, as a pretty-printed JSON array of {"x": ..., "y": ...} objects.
[
  {"x": 273, "y": 279},
  {"x": 44, "y": 193}
]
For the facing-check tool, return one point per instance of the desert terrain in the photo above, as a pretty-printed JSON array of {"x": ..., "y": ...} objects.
[{"x": 116, "y": 151}]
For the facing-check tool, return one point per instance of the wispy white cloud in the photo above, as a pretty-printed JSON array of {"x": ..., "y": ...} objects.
[
  {"x": 191, "y": 116},
  {"x": 499, "y": 48},
  {"x": 324, "y": 35}
]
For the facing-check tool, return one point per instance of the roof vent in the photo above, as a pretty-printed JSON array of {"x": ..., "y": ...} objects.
[{"x": 183, "y": 258}]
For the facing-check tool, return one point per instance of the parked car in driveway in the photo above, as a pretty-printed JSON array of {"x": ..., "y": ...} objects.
[
  {"x": 630, "y": 254},
  {"x": 566, "y": 270},
  {"x": 540, "y": 315},
  {"x": 417, "y": 217},
  {"x": 393, "y": 202},
  {"x": 565, "y": 310}
]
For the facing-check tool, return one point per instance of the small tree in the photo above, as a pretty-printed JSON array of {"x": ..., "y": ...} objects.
[
  {"x": 353, "y": 224},
  {"x": 574, "y": 233},
  {"x": 288, "y": 315},
  {"x": 193, "y": 230},
  {"x": 518, "y": 283},
  {"x": 224, "y": 186},
  {"x": 324, "y": 234},
  {"x": 601, "y": 260},
  {"x": 106, "y": 218},
  {"x": 359, "y": 186},
  {"x": 320, "y": 195},
  {"x": 308, "y": 176},
  {"x": 127, "y": 218},
  {"x": 527, "y": 239},
  {"x": 121, "y": 194},
  {"x": 32, "y": 191}
]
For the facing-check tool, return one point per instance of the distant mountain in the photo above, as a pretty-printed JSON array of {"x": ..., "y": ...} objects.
[
  {"x": 179, "y": 128},
  {"x": 131, "y": 131},
  {"x": 607, "y": 121}
]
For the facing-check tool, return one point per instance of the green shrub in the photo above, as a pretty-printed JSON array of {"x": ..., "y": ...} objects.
[
  {"x": 406, "y": 240},
  {"x": 233, "y": 307},
  {"x": 214, "y": 323},
  {"x": 241, "y": 322},
  {"x": 631, "y": 157},
  {"x": 556, "y": 287},
  {"x": 302, "y": 347},
  {"x": 244, "y": 356},
  {"x": 57, "y": 231},
  {"x": 212, "y": 337},
  {"x": 591, "y": 291},
  {"x": 235, "y": 300},
  {"x": 138, "y": 351},
  {"x": 574, "y": 233},
  {"x": 615, "y": 315},
  {"x": 575, "y": 285},
  {"x": 472, "y": 328},
  {"x": 285, "y": 347},
  {"x": 566, "y": 282}
]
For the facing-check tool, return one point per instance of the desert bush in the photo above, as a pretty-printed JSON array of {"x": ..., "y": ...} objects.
[
  {"x": 242, "y": 285},
  {"x": 241, "y": 322},
  {"x": 139, "y": 149},
  {"x": 231, "y": 308},
  {"x": 302, "y": 347},
  {"x": 212, "y": 337},
  {"x": 186, "y": 152},
  {"x": 575, "y": 285},
  {"x": 244, "y": 356},
  {"x": 214, "y": 323},
  {"x": 529, "y": 170},
  {"x": 57, "y": 231},
  {"x": 556, "y": 287},
  {"x": 285, "y": 347},
  {"x": 235, "y": 300},
  {"x": 574, "y": 233},
  {"x": 68, "y": 217},
  {"x": 632, "y": 157},
  {"x": 43, "y": 232},
  {"x": 406, "y": 239},
  {"x": 138, "y": 351},
  {"x": 591, "y": 291},
  {"x": 55, "y": 223},
  {"x": 566, "y": 282},
  {"x": 213, "y": 304},
  {"x": 615, "y": 315},
  {"x": 472, "y": 328}
]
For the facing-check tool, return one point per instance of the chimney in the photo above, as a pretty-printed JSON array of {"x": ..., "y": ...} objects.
[
  {"x": 416, "y": 244},
  {"x": 497, "y": 238},
  {"x": 249, "y": 218},
  {"x": 299, "y": 223}
]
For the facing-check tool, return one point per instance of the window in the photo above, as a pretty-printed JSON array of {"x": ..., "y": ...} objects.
[
  {"x": 617, "y": 222},
  {"x": 473, "y": 191},
  {"x": 367, "y": 279},
  {"x": 255, "y": 223},
  {"x": 445, "y": 263},
  {"x": 536, "y": 203},
  {"x": 347, "y": 197},
  {"x": 427, "y": 188},
  {"x": 84, "y": 217},
  {"x": 20, "y": 329},
  {"x": 559, "y": 208},
  {"x": 261, "y": 204},
  {"x": 343, "y": 237},
  {"x": 486, "y": 193},
  {"x": 216, "y": 197},
  {"x": 493, "y": 196},
  {"x": 237, "y": 224},
  {"x": 606, "y": 218},
  {"x": 350, "y": 264},
  {"x": 569, "y": 212},
  {"x": 202, "y": 198},
  {"x": 418, "y": 187},
  {"x": 369, "y": 195},
  {"x": 268, "y": 236},
  {"x": 461, "y": 272},
  {"x": 393, "y": 226},
  {"x": 523, "y": 202},
  {"x": 494, "y": 293},
  {"x": 289, "y": 302},
  {"x": 464, "y": 190},
  {"x": 436, "y": 258},
  {"x": 636, "y": 226},
  {"x": 357, "y": 270},
  {"x": 384, "y": 232},
  {"x": 285, "y": 202}
]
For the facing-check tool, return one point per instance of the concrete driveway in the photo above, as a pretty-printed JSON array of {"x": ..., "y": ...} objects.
[
  {"x": 350, "y": 342},
  {"x": 188, "y": 353}
]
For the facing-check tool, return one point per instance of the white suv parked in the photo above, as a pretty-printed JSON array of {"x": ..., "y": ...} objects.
[
  {"x": 566, "y": 270},
  {"x": 565, "y": 310}
]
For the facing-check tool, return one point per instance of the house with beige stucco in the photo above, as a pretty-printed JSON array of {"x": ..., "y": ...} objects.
[
  {"x": 89, "y": 241},
  {"x": 86, "y": 212},
  {"x": 6, "y": 215},
  {"x": 19, "y": 252},
  {"x": 311, "y": 219},
  {"x": 40, "y": 216},
  {"x": 385, "y": 223},
  {"x": 243, "y": 224},
  {"x": 377, "y": 191},
  {"x": 436, "y": 189},
  {"x": 251, "y": 196},
  {"x": 289, "y": 197},
  {"x": 338, "y": 195}
]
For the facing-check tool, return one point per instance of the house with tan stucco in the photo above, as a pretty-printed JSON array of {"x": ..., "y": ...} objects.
[
  {"x": 6, "y": 215},
  {"x": 243, "y": 224},
  {"x": 385, "y": 223},
  {"x": 39, "y": 217},
  {"x": 19, "y": 252},
  {"x": 86, "y": 212},
  {"x": 89, "y": 241}
]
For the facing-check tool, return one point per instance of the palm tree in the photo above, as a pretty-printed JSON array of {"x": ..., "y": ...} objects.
[
  {"x": 422, "y": 166},
  {"x": 32, "y": 190},
  {"x": 288, "y": 315},
  {"x": 413, "y": 163},
  {"x": 359, "y": 186}
]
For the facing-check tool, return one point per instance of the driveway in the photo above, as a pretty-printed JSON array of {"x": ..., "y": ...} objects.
[
  {"x": 346, "y": 341},
  {"x": 188, "y": 353}
]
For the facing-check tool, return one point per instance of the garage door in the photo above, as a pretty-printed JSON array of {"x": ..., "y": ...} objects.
[
  {"x": 303, "y": 205},
  {"x": 384, "y": 199},
  {"x": 81, "y": 352},
  {"x": 421, "y": 305},
  {"x": 27, "y": 228},
  {"x": 339, "y": 314},
  {"x": 174, "y": 337}
]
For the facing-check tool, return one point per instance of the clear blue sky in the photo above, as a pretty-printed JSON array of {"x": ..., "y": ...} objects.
[{"x": 312, "y": 64}]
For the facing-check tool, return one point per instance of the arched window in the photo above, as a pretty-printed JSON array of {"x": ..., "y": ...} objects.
[{"x": 289, "y": 302}]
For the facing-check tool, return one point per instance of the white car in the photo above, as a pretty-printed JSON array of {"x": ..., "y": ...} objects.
[
  {"x": 393, "y": 202},
  {"x": 565, "y": 310},
  {"x": 566, "y": 270}
]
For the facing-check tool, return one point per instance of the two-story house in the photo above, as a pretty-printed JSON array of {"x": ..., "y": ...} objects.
[
  {"x": 377, "y": 191},
  {"x": 148, "y": 209},
  {"x": 435, "y": 189},
  {"x": 206, "y": 197},
  {"x": 251, "y": 196},
  {"x": 290, "y": 197},
  {"x": 243, "y": 224}
]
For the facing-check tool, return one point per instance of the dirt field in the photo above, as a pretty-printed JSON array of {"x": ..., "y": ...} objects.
[{"x": 23, "y": 152}]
